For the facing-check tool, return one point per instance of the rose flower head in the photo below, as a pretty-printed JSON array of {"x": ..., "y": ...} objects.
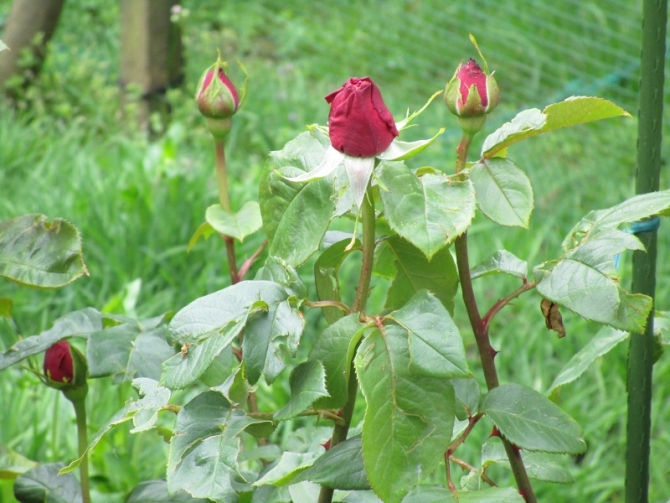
[
  {"x": 470, "y": 92},
  {"x": 362, "y": 133},
  {"x": 359, "y": 123},
  {"x": 58, "y": 364}
]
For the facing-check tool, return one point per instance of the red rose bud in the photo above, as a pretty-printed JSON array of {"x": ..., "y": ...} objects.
[
  {"x": 359, "y": 123},
  {"x": 65, "y": 369},
  {"x": 217, "y": 97},
  {"x": 58, "y": 365},
  {"x": 470, "y": 92}
]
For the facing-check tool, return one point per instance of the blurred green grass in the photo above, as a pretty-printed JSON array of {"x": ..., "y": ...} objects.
[{"x": 74, "y": 154}]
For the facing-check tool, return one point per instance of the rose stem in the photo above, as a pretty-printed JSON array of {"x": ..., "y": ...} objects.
[
  {"x": 481, "y": 331},
  {"x": 82, "y": 439},
  {"x": 340, "y": 431},
  {"x": 224, "y": 201}
]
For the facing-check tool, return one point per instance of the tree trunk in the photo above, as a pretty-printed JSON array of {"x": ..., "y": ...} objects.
[
  {"x": 151, "y": 53},
  {"x": 30, "y": 26}
]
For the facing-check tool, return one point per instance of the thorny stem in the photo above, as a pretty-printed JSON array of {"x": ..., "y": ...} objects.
[
  {"x": 82, "y": 440},
  {"x": 480, "y": 329},
  {"x": 495, "y": 308},
  {"x": 224, "y": 201},
  {"x": 327, "y": 303},
  {"x": 468, "y": 466},
  {"x": 324, "y": 414},
  {"x": 471, "y": 424},
  {"x": 368, "y": 220},
  {"x": 250, "y": 261}
]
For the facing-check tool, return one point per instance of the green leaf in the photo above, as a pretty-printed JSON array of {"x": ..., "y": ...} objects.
[
  {"x": 334, "y": 348},
  {"x": 532, "y": 421},
  {"x": 501, "y": 261},
  {"x": 503, "y": 191},
  {"x": 128, "y": 351},
  {"x": 426, "y": 494},
  {"x": 467, "y": 397},
  {"x": 408, "y": 419},
  {"x": 570, "y": 112},
  {"x": 186, "y": 367},
  {"x": 236, "y": 388},
  {"x": 296, "y": 215},
  {"x": 435, "y": 344},
  {"x": 204, "y": 448},
  {"x": 602, "y": 343},
  {"x": 326, "y": 279},
  {"x": 430, "y": 212},
  {"x": 308, "y": 384},
  {"x": 631, "y": 210},
  {"x": 539, "y": 465},
  {"x": 584, "y": 281},
  {"x": 361, "y": 497},
  {"x": 279, "y": 271},
  {"x": 44, "y": 484},
  {"x": 38, "y": 253},
  {"x": 155, "y": 491},
  {"x": 271, "y": 338},
  {"x": 204, "y": 231},
  {"x": 143, "y": 412},
  {"x": 287, "y": 468},
  {"x": 6, "y": 307},
  {"x": 13, "y": 464},
  {"x": 215, "y": 311},
  {"x": 400, "y": 150},
  {"x": 75, "y": 324},
  {"x": 341, "y": 467},
  {"x": 415, "y": 272},
  {"x": 237, "y": 225}
]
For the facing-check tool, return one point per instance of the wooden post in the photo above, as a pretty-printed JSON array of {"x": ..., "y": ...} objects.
[
  {"x": 30, "y": 26},
  {"x": 151, "y": 55}
]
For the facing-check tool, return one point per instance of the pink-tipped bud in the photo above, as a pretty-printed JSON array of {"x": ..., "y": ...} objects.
[
  {"x": 217, "y": 97},
  {"x": 470, "y": 92}
]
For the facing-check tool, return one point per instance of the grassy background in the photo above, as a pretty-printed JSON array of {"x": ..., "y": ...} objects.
[{"x": 70, "y": 152}]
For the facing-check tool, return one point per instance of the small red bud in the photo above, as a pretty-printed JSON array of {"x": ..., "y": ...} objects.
[{"x": 58, "y": 365}]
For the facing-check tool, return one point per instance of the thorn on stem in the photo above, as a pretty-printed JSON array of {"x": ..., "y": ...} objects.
[{"x": 494, "y": 353}]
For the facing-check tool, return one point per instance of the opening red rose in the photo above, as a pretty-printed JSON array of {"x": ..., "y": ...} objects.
[{"x": 359, "y": 123}]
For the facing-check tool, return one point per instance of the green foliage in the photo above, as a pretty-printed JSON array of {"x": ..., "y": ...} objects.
[
  {"x": 503, "y": 191},
  {"x": 408, "y": 419},
  {"x": 413, "y": 272},
  {"x": 43, "y": 483},
  {"x": 340, "y": 467},
  {"x": 430, "y": 211},
  {"x": 237, "y": 225},
  {"x": 34, "y": 252},
  {"x": 531, "y": 421}
]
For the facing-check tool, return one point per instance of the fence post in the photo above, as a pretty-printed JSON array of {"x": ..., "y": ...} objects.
[{"x": 641, "y": 352}]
